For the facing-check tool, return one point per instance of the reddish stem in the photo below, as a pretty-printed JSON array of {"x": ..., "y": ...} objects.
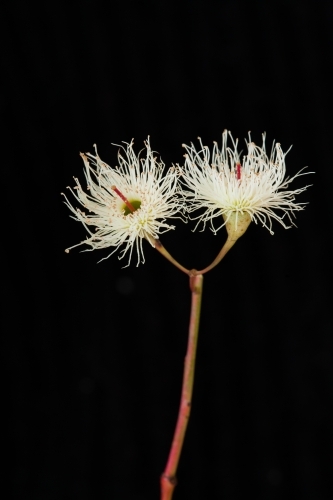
[{"x": 168, "y": 478}]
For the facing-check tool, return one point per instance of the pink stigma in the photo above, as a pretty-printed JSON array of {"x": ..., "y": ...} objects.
[
  {"x": 238, "y": 171},
  {"x": 125, "y": 200}
]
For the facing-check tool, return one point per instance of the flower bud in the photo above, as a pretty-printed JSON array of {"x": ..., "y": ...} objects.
[{"x": 236, "y": 224}]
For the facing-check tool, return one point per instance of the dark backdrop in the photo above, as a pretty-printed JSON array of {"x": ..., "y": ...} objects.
[{"x": 93, "y": 353}]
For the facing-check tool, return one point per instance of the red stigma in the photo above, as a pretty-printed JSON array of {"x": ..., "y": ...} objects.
[
  {"x": 238, "y": 171},
  {"x": 125, "y": 200}
]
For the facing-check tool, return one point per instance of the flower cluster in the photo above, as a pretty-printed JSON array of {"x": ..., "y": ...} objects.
[{"x": 124, "y": 205}]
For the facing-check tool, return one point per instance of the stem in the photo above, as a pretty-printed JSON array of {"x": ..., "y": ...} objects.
[
  {"x": 226, "y": 247},
  {"x": 168, "y": 478},
  {"x": 158, "y": 245},
  {"x": 236, "y": 225}
]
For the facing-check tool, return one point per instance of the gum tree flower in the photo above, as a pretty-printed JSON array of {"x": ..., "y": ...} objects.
[
  {"x": 126, "y": 204},
  {"x": 240, "y": 189}
]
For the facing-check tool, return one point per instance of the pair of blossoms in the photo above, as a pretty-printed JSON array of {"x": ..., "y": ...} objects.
[{"x": 124, "y": 205}]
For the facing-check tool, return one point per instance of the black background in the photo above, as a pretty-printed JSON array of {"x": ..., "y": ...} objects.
[{"x": 93, "y": 353}]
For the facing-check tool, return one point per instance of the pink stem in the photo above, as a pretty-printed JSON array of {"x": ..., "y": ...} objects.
[{"x": 168, "y": 478}]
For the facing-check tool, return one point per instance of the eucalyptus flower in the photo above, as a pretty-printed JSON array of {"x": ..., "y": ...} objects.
[
  {"x": 121, "y": 206},
  {"x": 253, "y": 187}
]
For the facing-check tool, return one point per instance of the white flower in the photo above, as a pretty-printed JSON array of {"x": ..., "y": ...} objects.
[
  {"x": 234, "y": 187},
  {"x": 125, "y": 204}
]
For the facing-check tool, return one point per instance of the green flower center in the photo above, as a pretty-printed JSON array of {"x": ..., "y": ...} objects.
[{"x": 134, "y": 203}]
